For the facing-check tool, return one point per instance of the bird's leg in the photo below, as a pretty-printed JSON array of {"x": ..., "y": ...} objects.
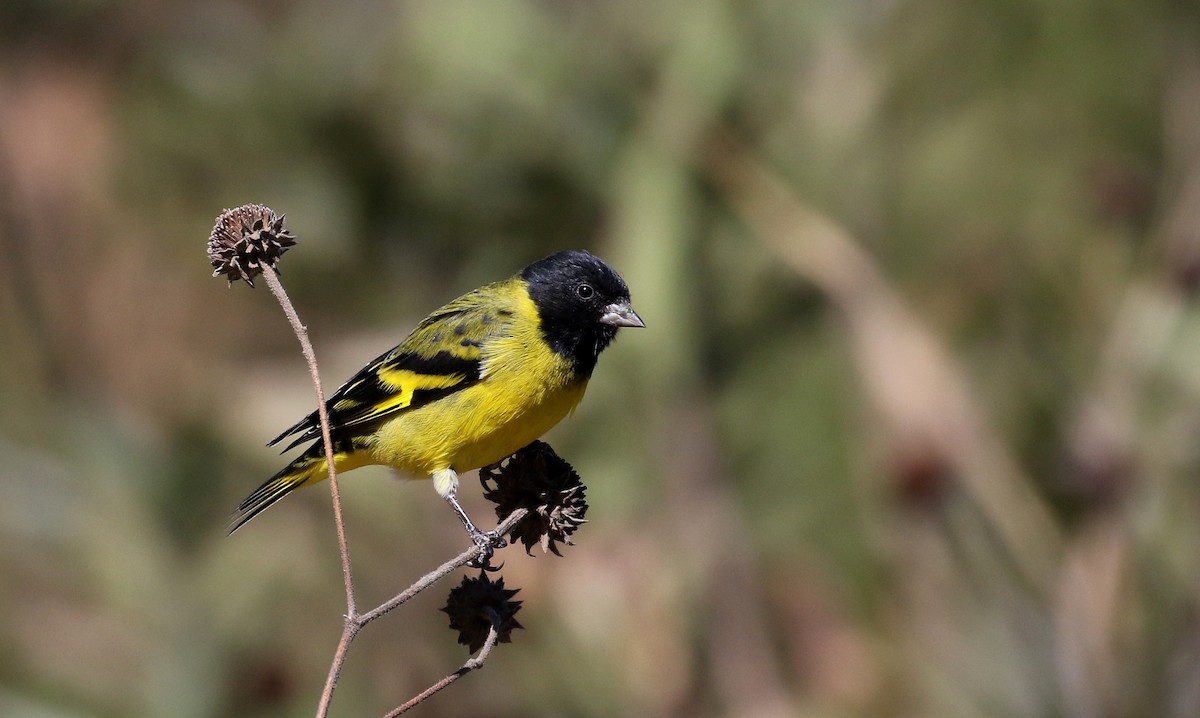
[
  {"x": 487, "y": 541},
  {"x": 446, "y": 483}
]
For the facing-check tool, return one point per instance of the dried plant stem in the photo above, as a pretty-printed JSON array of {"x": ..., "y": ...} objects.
[
  {"x": 356, "y": 621},
  {"x": 347, "y": 574},
  {"x": 306, "y": 346},
  {"x": 470, "y": 665},
  {"x": 438, "y": 573},
  {"x": 349, "y": 631}
]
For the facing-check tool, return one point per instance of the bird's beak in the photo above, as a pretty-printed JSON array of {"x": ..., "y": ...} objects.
[{"x": 620, "y": 314}]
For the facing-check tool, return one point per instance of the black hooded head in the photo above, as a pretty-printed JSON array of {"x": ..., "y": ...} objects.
[{"x": 581, "y": 302}]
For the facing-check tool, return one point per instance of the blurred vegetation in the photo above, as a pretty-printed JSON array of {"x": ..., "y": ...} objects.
[{"x": 913, "y": 430}]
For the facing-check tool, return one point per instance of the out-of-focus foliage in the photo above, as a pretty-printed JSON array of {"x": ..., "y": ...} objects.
[{"x": 912, "y": 430}]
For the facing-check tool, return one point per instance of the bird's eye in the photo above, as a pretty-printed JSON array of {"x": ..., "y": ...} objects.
[{"x": 584, "y": 291}]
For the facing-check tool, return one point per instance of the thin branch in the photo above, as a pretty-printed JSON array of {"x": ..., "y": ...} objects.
[
  {"x": 438, "y": 573},
  {"x": 306, "y": 346},
  {"x": 352, "y": 626},
  {"x": 349, "y": 631},
  {"x": 470, "y": 665},
  {"x": 355, "y": 621}
]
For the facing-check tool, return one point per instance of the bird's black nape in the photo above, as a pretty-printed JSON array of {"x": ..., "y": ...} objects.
[{"x": 571, "y": 290}]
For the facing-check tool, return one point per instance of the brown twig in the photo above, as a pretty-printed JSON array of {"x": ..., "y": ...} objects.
[
  {"x": 306, "y": 346},
  {"x": 470, "y": 665},
  {"x": 438, "y": 573},
  {"x": 356, "y": 621},
  {"x": 350, "y": 628}
]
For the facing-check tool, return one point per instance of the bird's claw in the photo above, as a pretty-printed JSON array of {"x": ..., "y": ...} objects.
[{"x": 488, "y": 542}]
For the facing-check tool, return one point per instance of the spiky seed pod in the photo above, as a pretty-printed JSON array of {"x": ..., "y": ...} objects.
[
  {"x": 537, "y": 479},
  {"x": 246, "y": 239},
  {"x": 476, "y": 604}
]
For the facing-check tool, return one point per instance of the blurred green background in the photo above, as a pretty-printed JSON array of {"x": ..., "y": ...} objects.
[{"x": 913, "y": 430}]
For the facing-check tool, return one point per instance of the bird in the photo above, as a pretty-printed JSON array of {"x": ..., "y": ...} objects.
[{"x": 478, "y": 379}]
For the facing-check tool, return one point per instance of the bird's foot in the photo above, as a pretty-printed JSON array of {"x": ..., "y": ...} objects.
[{"x": 488, "y": 542}]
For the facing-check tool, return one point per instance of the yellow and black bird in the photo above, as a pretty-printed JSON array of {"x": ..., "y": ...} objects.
[{"x": 477, "y": 380}]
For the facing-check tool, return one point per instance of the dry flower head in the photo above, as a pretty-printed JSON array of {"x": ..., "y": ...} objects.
[
  {"x": 246, "y": 239},
  {"x": 476, "y": 605},
  {"x": 537, "y": 479}
]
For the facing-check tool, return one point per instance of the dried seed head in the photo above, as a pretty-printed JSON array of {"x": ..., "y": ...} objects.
[
  {"x": 477, "y": 604},
  {"x": 246, "y": 239},
  {"x": 537, "y": 479}
]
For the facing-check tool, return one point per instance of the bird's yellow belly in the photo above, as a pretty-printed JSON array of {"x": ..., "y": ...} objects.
[{"x": 477, "y": 426}]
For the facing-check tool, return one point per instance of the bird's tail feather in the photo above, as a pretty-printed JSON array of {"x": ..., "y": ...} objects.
[{"x": 309, "y": 467}]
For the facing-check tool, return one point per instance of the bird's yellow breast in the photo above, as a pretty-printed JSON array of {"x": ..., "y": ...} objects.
[{"x": 525, "y": 389}]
